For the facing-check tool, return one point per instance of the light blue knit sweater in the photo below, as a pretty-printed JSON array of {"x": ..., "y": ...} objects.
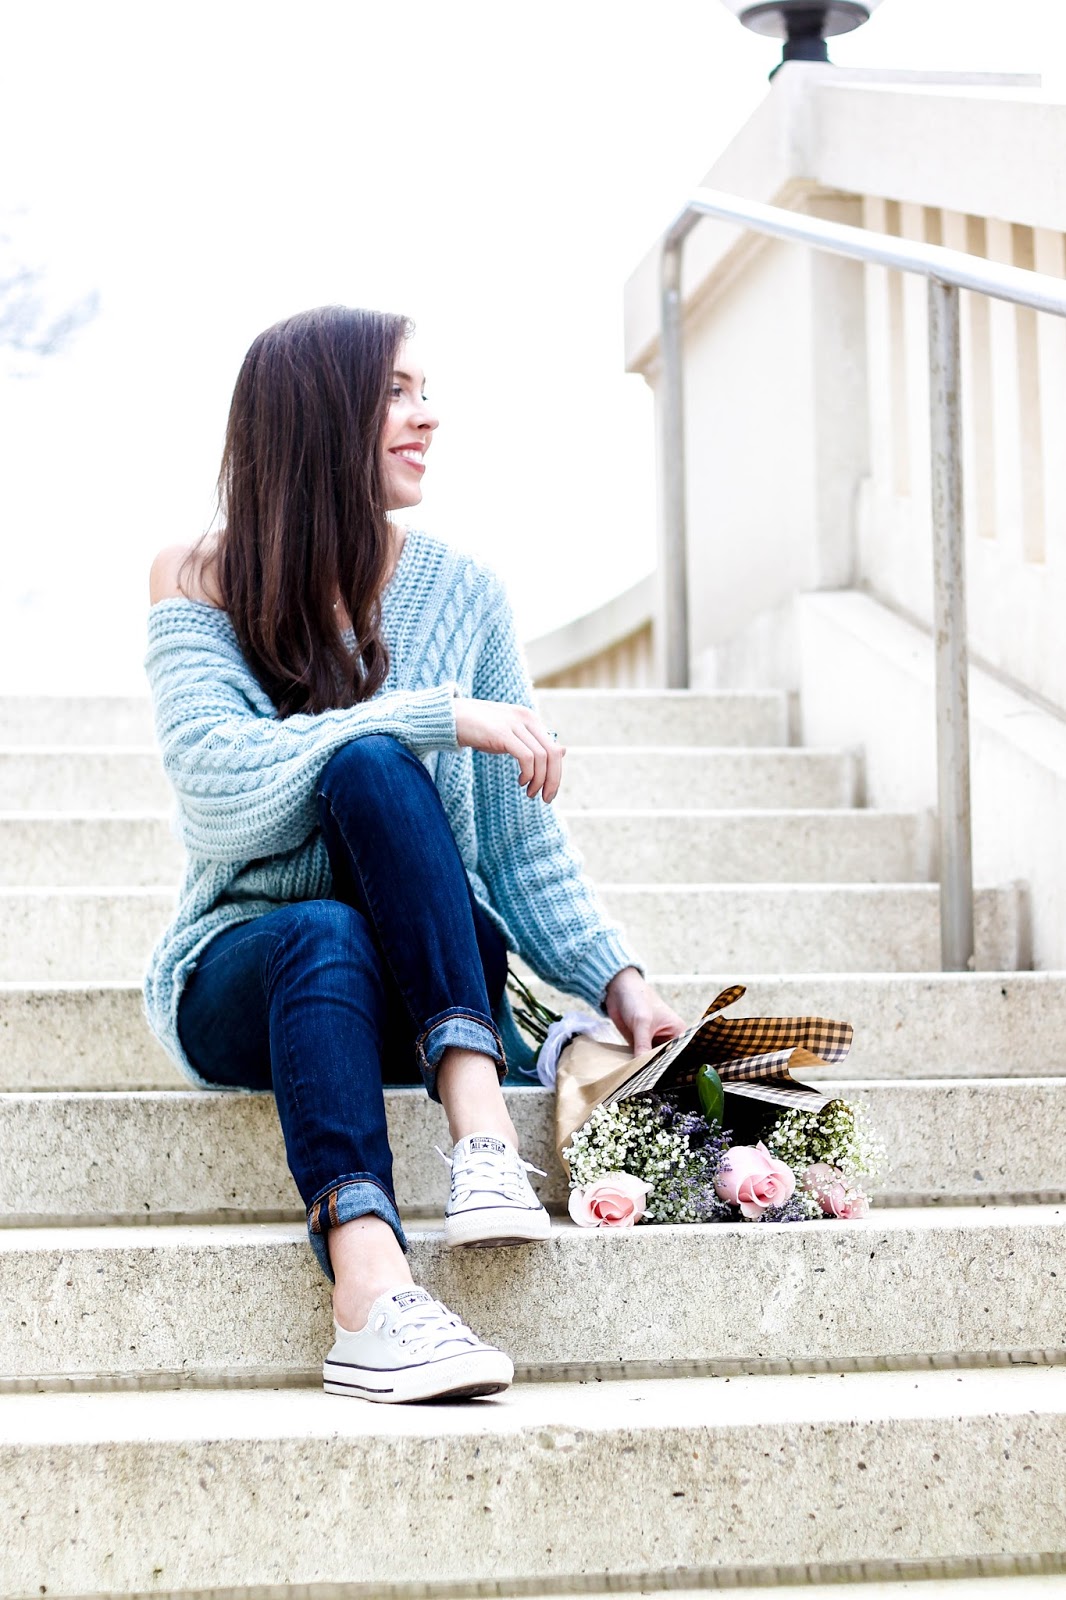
[{"x": 245, "y": 782}]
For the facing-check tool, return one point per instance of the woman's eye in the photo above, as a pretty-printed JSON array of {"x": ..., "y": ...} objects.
[{"x": 396, "y": 391}]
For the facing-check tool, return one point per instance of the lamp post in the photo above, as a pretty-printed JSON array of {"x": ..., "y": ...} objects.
[{"x": 803, "y": 24}]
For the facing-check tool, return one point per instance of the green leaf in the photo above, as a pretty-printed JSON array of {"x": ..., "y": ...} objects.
[{"x": 711, "y": 1091}]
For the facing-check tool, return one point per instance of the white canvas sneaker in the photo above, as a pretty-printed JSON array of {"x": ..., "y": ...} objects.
[
  {"x": 413, "y": 1348},
  {"x": 491, "y": 1200}
]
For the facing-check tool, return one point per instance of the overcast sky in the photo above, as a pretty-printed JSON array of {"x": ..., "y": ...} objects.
[{"x": 493, "y": 170}]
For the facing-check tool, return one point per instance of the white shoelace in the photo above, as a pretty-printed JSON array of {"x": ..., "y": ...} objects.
[
  {"x": 486, "y": 1171},
  {"x": 426, "y": 1328}
]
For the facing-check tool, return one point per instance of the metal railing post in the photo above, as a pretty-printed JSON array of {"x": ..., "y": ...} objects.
[
  {"x": 672, "y": 415},
  {"x": 949, "y": 631}
]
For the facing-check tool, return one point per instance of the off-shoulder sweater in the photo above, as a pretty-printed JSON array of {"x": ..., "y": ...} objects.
[{"x": 245, "y": 782}]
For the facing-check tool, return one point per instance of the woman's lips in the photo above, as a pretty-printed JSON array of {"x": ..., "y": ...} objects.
[{"x": 410, "y": 458}]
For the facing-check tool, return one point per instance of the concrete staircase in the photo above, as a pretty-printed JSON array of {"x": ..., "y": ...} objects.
[{"x": 800, "y": 1405}]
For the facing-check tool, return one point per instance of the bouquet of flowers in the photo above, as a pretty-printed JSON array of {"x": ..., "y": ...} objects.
[
  {"x": 650, "y": 1159},
  {"x": 656, "y": 1149}
]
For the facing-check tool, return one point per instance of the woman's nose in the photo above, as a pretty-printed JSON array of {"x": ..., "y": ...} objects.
[{"x": 426, "y": 417}]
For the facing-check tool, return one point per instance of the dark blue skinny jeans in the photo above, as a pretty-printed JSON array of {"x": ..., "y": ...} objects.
[{"x": 325, "y": 1001}]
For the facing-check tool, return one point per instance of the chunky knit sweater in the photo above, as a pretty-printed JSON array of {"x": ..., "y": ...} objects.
[{"x": 245, "y": 781}]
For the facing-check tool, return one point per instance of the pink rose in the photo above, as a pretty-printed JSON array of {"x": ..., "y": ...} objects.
[
  {"x": 751, "y": 1178},
  {"x": 616, "y": 1200},
  {"x": 827, "y": 1185}
]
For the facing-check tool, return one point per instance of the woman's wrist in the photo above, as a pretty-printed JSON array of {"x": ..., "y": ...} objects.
[
  {"x": 639, "y": 1014},
  {"x": 621, "y": 979}
]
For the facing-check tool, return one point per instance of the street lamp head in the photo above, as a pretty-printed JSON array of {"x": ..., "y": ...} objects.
[{"x": 803, "y": 24}]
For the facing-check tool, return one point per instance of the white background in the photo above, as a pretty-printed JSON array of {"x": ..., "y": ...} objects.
[{"x": 493, "y": 170}]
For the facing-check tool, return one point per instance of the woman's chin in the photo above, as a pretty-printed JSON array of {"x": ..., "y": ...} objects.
[{"x": 408, "y": 498}]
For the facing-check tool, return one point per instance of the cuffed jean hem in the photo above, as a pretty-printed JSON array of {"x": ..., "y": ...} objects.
[
  {"x": 463, "y": 1029},
  {"x": 356, "y": 1196}
]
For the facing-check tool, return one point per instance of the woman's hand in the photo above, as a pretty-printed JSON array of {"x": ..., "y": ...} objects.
[
  {"x": 507, "y": 730},
  {"x": 640, "y": 1016}
]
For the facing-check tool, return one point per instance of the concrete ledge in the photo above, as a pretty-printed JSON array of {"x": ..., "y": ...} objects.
[
  {"x": 753, "y": 846},
  {"x": 1022, "y": 1578},
  {"x": 118, "y": 1493},
  {"x": 664, "y": 717},
  {"x": 80, "y": 781},
  {"x": 250, "y": 1303},
  {"x": 586, "y": 716},
  {"x": 63, "y": 851},
  {"x": 100, "y": 934},
  {"x": 83, "y": 1036},
  {"x": 49, "y": 719},
  {"x": 66, "y": 778},
  {"x": 765, "y": 928},
  {"x": 594, "y": 632},
  {"x": 150, "y": 1157}
]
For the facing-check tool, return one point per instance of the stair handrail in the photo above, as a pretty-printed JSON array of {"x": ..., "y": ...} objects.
[{"x": 948, "y": 271}]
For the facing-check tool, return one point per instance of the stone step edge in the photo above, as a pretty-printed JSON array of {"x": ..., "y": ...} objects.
[
  {"x": 162, "y": 1380},
  {"x": 262, "y": 1252},
  {"x": 789, "y": 751},
  {"x": 536, "y": 1436},
  {"x": 913, "y": 888},
  {"x": 825, "y": 1080},
  {"x": 915, "y": 1216},
  {"x": 420, "y": 1216},
  {"x": 1043, "y": 977},
  {"x": 597, "y": 813},
  {"x": 1004, "y": 1577},
  {"x": 964, "y": 1391}
]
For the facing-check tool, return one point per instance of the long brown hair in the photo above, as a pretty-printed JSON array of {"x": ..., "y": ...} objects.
[{"x": 300, "y": 490}]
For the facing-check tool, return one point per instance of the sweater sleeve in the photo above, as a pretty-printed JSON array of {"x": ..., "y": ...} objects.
[
  {"x": 244, "y": 778},
  {"x": 532, "y": 869}
]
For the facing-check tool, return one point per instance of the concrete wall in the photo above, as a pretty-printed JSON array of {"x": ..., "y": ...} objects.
[
  {"x": 806, "y": 392},
  {"x": 776, "y": 452},
  {"x": 612, "y": 647},
  {"x": 807, "y": 445},
  {"x": 866, "y": 679}
]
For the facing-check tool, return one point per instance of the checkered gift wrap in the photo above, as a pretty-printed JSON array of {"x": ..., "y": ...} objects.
[{"x": 753, "y": 1056}]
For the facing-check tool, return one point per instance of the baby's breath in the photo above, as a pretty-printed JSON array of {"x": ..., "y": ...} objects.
[
  {"x": 650, "y": 1138},
  {"x": 839, "y": 1135}
]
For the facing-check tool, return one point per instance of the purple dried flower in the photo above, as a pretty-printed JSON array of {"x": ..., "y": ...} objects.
[{"x": 794, "y": 1210}]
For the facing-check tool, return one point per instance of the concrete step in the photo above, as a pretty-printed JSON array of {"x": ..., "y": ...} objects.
[
  {"x": 928, "y": 1583},
  {"x": 77, "y": 780},
  {"x": 665, "y": 717},
  {"x": 61, "y": 850},
  {"x": 128, "y": 848},
  {"x": 754, "y": 846},
  {"x": 561, "y": 1484},
  {"x": 1036, "y": 1578},
  {"x": 579, "y": 716},
  {"x": 247, "y": 1301},
  {"x": 80, "y": 933},
  {"x": 51, "y": 719},
  {"x": 914, "y": 1025},
  {"x": 99, "y": 934},
  {"x": 671, "y": 778},
  {"x": 199, "y": 1155},
  {"x": 765, "y": 928}
]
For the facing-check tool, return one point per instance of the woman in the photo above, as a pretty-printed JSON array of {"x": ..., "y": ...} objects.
[{"x": 364, "y": 794}]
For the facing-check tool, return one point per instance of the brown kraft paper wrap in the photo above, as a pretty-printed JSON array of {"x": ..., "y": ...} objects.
[{"x": 753, "y": 1056}]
